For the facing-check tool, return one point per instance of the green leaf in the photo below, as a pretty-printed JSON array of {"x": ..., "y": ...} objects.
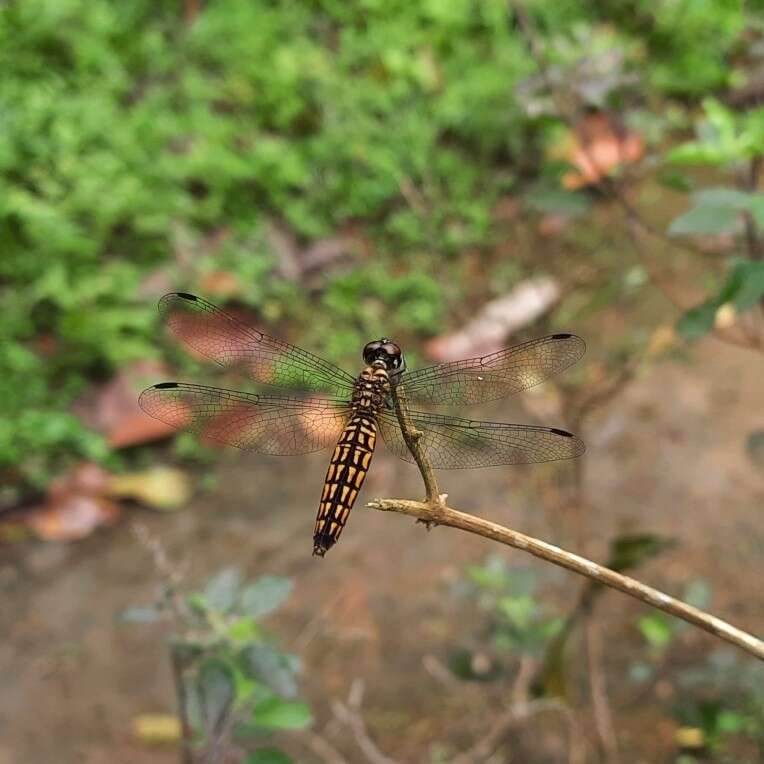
[
  {"x": 197, "y": 602},
  {"x": 244, "y": 629},
  {"x": 723, "y": 197},
  {"x": 279, "y": 714},
  {"x": 518, "y": 610},
  {"x": 556, "y": 201},
  {"x": 731, "y": 722},
  {"x": 698, "y": 321},
  {"x": 222, "y": 590},
  {"x": 268, "y": 756},
  {"x": 138, "y": 614},
  {"x": 216, "y": 689},
  {"x": 697, "y": 593},
  {"x": 743, "y": 288},
  {"x": 756, "y": 207},
  {"x": 754, "y": 446},
  {"x": 272, "y": 667},
  {"x": 640, "y": 672},
  {"x": 656, "y": 629},
  {"x": 706, "y": 220},
  {"x": 265, "y": 595},
  {"x": 631, "y": 550},
  {"x": 745, "y": 285}
]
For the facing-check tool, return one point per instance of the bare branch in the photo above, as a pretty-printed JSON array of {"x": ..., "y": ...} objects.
[
  {"x": 350, "y": 715},
  {"x": 444, "y": 515},
  {"x": 323, "y": 748},
  {"x": 515, "y": 715}
]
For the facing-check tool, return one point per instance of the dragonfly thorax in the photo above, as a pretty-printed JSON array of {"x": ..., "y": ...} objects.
[{"x": 372, "y": 388}]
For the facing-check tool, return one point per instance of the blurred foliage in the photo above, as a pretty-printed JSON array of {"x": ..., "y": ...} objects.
[
  {"x": 231, "y": 679},
  {"x": 516, "y": 619},
  {"x": 143, "y": 151},
  {"x": 734, "y": 143}
]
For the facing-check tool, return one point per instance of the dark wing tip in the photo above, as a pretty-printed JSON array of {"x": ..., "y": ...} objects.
[
  {"x": 168, "y": 298},
  {"x": 575, "y": 342},
  {"x": 576, "y": 445},
  {"x": 164, "y": 386}
]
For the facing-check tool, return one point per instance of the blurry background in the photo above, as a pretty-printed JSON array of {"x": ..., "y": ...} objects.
[{"x": 460, "y": 176}]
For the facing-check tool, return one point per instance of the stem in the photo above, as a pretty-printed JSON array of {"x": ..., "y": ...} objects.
[
  {"x": 411, "y": 436},
  {"x": 441, "y": 514},
  {"x": 178, "y": 668},
  {"x": 751, "y": 184}
]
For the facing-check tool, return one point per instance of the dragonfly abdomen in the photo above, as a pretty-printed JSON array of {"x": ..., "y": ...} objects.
[{"x": 344, "y": 478}]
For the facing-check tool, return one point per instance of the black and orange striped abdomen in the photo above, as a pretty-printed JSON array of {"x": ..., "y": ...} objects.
[{"x": 344, "y": 478}]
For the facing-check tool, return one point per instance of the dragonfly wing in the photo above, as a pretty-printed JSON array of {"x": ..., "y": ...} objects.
[
  {"x": 270, "y": 424},
  {"x": 229, "y": 342},
  {"x": 477, "y": 380},
  {"x": 456, "y": 443}
]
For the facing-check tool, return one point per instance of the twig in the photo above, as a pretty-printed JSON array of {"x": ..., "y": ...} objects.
[
  {"x": 323, "y": 748},
  {"x": 178, "y": 669},
  {"x": 445, "y": 515},
  {"x": 350, "y": 715},
  {"x": 516, "y": 713},
  {"x": 411, "y": 436},
  {"x": 603, "y": 718},
  {"x": 751, "y": 184}
]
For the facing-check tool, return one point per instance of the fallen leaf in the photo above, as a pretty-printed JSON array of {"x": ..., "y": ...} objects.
[
  {"x": 508, "y": 208},
  {"x": 690, "y": 737},
  {"x": 221, "y": 284},
  {"x": 296, "y": 261},
  {"x": 552, "y": 225},
  {"x": 157, "y": 728},
  {"x": 498, "y": 319},
  {"x": 662, "y": 339},
  {"x": 72, "y": 517},
  {"x": 86, "y": 477},
  {"x": 163, "y": 488},
  {"x": 597, "y": 147},
  {"x": 112, "y": 409}
]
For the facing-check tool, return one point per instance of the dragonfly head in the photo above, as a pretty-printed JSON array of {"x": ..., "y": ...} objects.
[{"x": 384, "y": 353}]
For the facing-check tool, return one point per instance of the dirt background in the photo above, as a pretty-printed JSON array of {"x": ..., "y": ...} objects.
[{"x": 667, "y": 456}]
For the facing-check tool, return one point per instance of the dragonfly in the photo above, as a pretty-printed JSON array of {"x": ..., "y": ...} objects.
[{"x": 325, "y": 405}]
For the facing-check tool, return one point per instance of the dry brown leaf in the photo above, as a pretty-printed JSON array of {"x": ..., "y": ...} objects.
[
  {"x": 496, "y": 321},
  {"x": 222, "y": 284},
  {"x": 112, "y": 409},
  {"x": 596, "y": 148},
  {"x": 73, "y": 516}
]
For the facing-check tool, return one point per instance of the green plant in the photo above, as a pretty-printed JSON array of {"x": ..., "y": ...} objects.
[
  {"x": 734, "y": 143},
  {"x": 723, "y": 697},
  {"x": 234, "y": 685},
  {"x": 517, "y": 622}
]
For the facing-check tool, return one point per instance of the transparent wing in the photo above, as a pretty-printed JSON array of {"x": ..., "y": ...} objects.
[
  {"x": 270, "y": 424},
  {"x": 477, "y": 380},
  {"x": 229, "y": 342},
  {"x": 456, "y": 443}
]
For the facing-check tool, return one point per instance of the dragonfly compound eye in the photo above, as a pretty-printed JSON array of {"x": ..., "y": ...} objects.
[{"x": 371, "y": 351}]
